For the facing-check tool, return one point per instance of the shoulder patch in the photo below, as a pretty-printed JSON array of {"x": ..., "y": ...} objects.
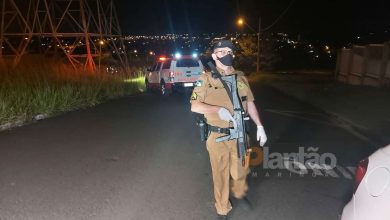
[
  {"x": 194, "y": 96},
  {"x": 241, "y": 85}
]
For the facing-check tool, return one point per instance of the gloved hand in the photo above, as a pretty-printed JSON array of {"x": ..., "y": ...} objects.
[
  {"x": 225, "y": 115},
  {"x": 261, "y": 136}
]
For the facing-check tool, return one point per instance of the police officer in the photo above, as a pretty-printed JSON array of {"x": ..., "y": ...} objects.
[{"x": 211, "y": 99}]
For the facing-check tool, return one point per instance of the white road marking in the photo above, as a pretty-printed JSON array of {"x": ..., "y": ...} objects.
[{"x": 296, "y": 114}]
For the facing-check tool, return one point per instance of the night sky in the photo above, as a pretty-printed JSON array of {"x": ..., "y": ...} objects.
[{"x": 318, "y": 19}]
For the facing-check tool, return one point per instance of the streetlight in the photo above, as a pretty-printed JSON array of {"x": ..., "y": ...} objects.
[
  {"x": 151, "y": 53},
  {"x": 242, "y": 22}
]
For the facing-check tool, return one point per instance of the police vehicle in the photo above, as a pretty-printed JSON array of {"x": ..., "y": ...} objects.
[{"x": 169, "y": 74}]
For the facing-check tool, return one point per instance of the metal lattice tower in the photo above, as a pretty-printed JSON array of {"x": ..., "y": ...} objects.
[{"x": 82, "y": 30}]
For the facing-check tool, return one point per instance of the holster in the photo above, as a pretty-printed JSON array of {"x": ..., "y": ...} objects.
[{"x": 203, "y": 129}]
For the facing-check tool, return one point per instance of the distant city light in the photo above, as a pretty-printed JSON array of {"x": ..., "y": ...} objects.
[
  {"x": 317, "y": 49},
  {"x": 101, "y": 42}
]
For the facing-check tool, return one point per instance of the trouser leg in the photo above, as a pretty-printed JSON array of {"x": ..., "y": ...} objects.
[
  {"x": 238, "y": 183},
  {"x": 220, "y": 164}
]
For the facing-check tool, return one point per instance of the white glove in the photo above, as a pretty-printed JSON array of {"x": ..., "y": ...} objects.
[
  {"x": 225, "y": 115},
  {"x": 261, "y": 136}
]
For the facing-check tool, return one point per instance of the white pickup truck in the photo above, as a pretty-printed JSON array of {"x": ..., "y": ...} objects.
[{"x": 169, "y": 74}]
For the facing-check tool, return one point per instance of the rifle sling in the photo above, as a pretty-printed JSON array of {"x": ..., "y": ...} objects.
[{"x": 215, "y": 73}]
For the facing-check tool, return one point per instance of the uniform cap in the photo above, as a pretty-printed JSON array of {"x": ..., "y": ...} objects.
[{"x": 223, "y": 43}]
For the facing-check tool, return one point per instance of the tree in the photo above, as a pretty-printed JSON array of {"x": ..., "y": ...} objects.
[
  {"x": 246, "y": 53},
  {"x": 269, "y": 56},
  {"x": 246, "y": 56}
]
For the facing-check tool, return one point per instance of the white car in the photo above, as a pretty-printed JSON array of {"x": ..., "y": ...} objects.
[
  {"x": 171, "y": 73},
  {"x": 371, "y": 199}
]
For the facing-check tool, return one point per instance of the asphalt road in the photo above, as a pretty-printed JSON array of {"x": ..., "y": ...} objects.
[{"x": 140, "y": 158}]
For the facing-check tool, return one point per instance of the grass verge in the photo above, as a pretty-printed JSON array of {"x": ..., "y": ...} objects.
[{"x": 38, "y": 90}]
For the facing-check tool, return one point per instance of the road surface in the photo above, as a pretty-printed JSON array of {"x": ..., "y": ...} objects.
[{"x": 140, "y": 157}]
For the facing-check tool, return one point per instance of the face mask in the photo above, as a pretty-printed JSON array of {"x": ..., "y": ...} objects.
[{"x": 226, "y": 60}]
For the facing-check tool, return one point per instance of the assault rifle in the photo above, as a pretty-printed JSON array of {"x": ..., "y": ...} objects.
[{"x": 239, "y": 130}]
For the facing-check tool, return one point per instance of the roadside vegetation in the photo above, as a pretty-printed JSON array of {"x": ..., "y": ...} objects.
[{"x": 37, "y": 89}]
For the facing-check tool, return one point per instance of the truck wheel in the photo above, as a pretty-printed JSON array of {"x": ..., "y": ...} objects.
[{"x": 164, "y": 90}]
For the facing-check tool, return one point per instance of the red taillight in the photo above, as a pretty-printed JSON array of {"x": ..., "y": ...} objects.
[{"x": 360, "y": 172}]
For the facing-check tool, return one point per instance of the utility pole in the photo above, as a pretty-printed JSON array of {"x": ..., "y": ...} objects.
[
  {"x": 89, "y": 65},
  {"x": 2, "y": 31},
  {"x": 258, "y": 46},
  {"x": 65, "y": 26}
]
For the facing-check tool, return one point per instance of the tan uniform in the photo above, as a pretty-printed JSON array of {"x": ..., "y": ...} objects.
[{"x": 223, "y": 155}]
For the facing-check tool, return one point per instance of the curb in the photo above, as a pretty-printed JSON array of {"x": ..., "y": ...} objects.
[
  {"x": 20, "y": 123},
  {"x": 10, "y": 125}
]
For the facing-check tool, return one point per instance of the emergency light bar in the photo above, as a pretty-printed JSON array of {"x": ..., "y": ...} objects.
[{"x": 177, "y": 55}]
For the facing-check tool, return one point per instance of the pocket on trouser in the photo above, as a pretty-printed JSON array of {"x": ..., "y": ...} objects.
[
  {"x": 211, "y": 140},
  {"x": 237, "y": 170}
]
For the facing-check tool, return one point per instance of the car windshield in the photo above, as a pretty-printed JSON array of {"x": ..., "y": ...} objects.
[
  {"x": 187, "y": 63},
  {"x": 167, "y": 64}
]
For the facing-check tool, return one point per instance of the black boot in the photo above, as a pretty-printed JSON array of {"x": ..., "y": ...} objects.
[
  {"x": 222, "y": 217},
  {"x": 244, "y": 203}
]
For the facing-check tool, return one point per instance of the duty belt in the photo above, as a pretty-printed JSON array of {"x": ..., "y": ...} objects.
[{"x": 219, "y": 130}]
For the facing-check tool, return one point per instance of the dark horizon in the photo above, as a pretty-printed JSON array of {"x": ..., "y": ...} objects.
[{"x": 321, "y": 20}]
